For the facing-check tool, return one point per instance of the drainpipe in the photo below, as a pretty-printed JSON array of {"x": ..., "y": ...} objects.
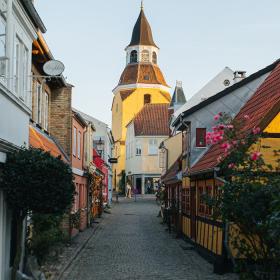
[{"x": 226, "y": 241}]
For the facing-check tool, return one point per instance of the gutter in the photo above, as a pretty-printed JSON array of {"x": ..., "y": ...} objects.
[{"x": 32, "y": 12}]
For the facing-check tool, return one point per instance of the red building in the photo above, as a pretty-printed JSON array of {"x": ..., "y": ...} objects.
[{"x": 79, "y": 209}]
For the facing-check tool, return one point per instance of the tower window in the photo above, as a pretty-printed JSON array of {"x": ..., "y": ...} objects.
[
  {"x": 154, "y": 57},
  {"x": 147, "y": 99},
  {"x": 133, "y": 57},
  {"x": 145, "y": 56}
]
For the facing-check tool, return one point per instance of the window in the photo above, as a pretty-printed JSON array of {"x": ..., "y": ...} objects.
[
  {"x": 154, "y": 57},
  {"x": 201, "y": 137},
  {"x": 46, "y": 111},
  {"x": 38, "y": 103},
  {"x": 138, "y": 148},
  {"x": 145, "y": 56},
  {"x": 186, "y": 201},
  {"x": 79, "y": 144},
  {"x": 203, "y": 208},
  {"x": 3, "y": 58},
  {"x": 20, "y": 69},
  {"x": 16, "y": 65},
  {"x": 133, "y": 57},
  {"x": 2, "y": 36},
  {"x": 201, "y": 202},
  {"x": 153, "y": 147},
  {"x": 147, "y": 99},
  {"x": 74, "y": 141}
]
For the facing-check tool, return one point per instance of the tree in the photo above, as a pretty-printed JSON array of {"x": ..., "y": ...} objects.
[
  {"x": 250, "y": 198},
  {"x": 35, "y": 181}
]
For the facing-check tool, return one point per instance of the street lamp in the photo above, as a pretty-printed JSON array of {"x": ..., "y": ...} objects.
[{"x": 100, "y": 147}]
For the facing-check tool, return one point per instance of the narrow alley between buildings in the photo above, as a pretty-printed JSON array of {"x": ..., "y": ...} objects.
[{"x": 132, "y": 244}]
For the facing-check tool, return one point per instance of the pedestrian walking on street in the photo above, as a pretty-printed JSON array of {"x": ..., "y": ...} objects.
[
  {"x": 135, "y": 193},
  {"x": 128, "y": 189}
]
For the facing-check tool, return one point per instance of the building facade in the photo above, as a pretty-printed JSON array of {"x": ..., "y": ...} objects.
[
  {"x": 144, "y": 134},
  {"x": 19, "y": 23},
  {"x": 141, "y": 82}
]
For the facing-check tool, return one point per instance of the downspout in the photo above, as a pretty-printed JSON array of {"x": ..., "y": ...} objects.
[{"x": 226, "y": 241}]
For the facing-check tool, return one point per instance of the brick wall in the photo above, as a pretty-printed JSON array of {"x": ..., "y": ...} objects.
[{"x": 61, "y": 117}]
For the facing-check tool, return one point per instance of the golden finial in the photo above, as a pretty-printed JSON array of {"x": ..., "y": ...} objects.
[{"x": 142, "y": 5}]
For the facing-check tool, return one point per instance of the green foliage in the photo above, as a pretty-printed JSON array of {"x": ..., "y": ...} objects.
[
  {"x": 33, "y": 180},
  {"x": 75, "y": 219},
  {"x": 45, "y": 233},
  {"x": 250, "y": 198}
]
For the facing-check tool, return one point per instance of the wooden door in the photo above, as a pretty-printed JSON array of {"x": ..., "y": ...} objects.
[{"x": 193, "y": 212}]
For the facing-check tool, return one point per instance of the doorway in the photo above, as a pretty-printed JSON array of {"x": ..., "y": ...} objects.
[{"x": 139, "y": 185}]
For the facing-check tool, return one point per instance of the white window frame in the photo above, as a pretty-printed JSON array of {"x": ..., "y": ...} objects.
[
  {"x": 74, "y": 141},
  {"x": 46, "y": 111},
  {"x": 79, "y": 144},
  {"x": 3, "y": 56},
  {"x": 138, "y": 148},
  {"x": 153, "y": 147}
]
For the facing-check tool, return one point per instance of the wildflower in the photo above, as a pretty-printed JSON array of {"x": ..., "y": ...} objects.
[{"x": 255, "y": 156}]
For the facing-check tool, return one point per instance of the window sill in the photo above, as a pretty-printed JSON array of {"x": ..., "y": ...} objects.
[{"x": 200, "y": 147}]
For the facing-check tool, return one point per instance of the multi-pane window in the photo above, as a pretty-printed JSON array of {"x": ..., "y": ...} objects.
[
  {"x": 186, "y": 201},
  {"x": 153, "y": 147},
  {"x": 20, "y": 69},
  {"x": 201, "y": 137},
  {"x": 16, "y": 66},
  {"x": 79, "y": 144},
  {"x": 74, "y": 141},
  {"x": 133, "y": 57},
  {"x": 38, "y": 103},
  {"x": 3, "y": 58},
  {"x": 46, "y": 111},
  {"x": 145, "y": 56},
  {"x": 203, "y": 193},
  {"x": 138, "y": 148},
  {"x": 2, "y": 36}
]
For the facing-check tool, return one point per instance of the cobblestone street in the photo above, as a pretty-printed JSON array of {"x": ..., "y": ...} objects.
[{"x": 132, "y": 244}]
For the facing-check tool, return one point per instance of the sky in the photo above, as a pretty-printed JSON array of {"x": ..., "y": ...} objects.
[{"x": 197, "y": 39}]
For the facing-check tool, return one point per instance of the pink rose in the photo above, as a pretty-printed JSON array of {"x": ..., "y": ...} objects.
[
  {"x": 256, "y": 130},
  {"x": 255, "y": 156},
  {"x": 247, "y": 117},
  {"x": 231, "y": 165},
  {"x": 217, "y": 117}
]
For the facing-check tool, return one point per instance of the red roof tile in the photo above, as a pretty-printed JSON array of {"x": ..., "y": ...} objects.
[
  {"x": 170, "y": 177},
  {"x": 39, "y": 140},
  {"x": 262, "y": 107},
  {"x": 144, "y": 73},
  {"x": 152, "y": 120}
]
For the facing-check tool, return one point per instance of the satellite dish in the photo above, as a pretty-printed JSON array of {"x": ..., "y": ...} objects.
[{"x": 54, "y": 68}]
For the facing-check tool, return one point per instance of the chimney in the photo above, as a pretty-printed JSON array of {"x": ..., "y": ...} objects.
[{"x": 239, "y": 76}]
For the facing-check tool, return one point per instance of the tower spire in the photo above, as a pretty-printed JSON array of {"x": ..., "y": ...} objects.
[{"x": 142, "y": 5}]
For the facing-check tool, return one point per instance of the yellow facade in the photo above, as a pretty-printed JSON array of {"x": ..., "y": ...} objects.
[{"x": 123, "y": 111}]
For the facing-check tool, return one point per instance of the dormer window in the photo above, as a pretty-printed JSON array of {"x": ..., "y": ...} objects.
[
  {"x": 154, "y": 57},
  {"x": 147, "y": 99},
  {"x": 145, "y": 56},
  {"x": 133, "y": 57}
]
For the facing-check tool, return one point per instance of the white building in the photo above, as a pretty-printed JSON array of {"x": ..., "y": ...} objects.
[
  {"x": 199, "y": 118},
  {"x": 144, "y": 135},
  {"x": 19, "y": 23}
]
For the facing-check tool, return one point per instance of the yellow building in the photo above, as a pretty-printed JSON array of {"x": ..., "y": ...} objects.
[{"x": 141, "y": 82}]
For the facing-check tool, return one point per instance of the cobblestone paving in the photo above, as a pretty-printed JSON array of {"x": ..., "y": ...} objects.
[{"x": 131, "y": 244}]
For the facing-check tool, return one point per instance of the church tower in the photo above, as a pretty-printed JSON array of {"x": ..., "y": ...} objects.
[{"x": 141, "y": 82}]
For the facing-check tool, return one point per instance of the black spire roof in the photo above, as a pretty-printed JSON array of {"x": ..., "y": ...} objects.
[
  {"x": 178, "y": 97},
  {"x": 142, "y": 32}
]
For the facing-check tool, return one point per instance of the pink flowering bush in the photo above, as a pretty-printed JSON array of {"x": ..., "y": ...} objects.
[{"x": 250, "y": 198}]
